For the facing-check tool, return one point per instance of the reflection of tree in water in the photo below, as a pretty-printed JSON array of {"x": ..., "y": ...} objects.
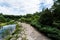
[{"x": 5, "y": 33}]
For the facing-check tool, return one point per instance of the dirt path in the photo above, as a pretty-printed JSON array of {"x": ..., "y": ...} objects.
[{"x": 32, "y": 34}]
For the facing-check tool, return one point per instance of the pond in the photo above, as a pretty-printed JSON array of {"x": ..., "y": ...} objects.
[{"x": 6, "y": 30}]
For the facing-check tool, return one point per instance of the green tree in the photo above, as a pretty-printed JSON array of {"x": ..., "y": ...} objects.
[
  {"x": 46, "y": 17},
  {"x": 56, "y": 13},
  {"x": 2, "y": 18}
]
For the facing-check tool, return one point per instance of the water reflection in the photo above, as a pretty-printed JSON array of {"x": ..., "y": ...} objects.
[{"x": 6, "y": 30}]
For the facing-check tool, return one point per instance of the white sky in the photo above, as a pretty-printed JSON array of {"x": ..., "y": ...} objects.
[{"x": 22, "y": 7}]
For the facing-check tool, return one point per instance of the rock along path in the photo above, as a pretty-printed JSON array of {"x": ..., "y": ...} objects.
[{"x": 32, "y": 34}]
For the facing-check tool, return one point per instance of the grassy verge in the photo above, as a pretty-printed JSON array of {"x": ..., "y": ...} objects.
[
  {"x": 49, "y": 31},
  {"x": 7, "y": 23}
]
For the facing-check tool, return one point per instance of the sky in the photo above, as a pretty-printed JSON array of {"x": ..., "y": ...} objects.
[{"x": 23, "y": 7}]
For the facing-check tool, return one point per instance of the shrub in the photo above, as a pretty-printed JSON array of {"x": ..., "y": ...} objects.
[{"x": 46, "y": 18}]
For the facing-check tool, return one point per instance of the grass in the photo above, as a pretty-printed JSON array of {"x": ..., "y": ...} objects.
[
  {"x": 49, "y": 31},
  {"x": 7, "y": 23}
]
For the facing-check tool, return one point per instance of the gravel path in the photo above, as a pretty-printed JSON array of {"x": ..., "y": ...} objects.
[{"x": 32, "y": 34}]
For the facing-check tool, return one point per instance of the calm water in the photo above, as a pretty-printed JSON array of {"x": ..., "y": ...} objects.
[{"x": 6, "y": 30}]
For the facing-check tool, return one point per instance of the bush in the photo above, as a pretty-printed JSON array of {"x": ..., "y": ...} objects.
[
  {"x": 46, "y": 18},
  {"x": 2, "y": 18},
  {"x": 51, "y": 32}
]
